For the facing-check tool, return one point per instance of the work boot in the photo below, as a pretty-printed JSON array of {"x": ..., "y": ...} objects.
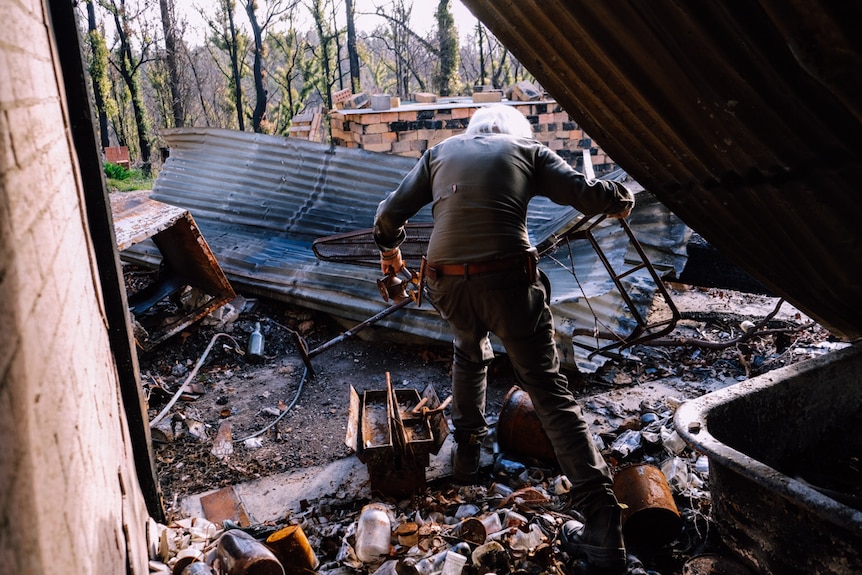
[
  {"x": 465, "y": 463},
  {"x": 600, "y": 540}
]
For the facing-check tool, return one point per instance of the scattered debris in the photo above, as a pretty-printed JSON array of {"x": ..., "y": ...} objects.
[
  {"x": 301, "y": 423},
  {"x": 511, "y": 524}
]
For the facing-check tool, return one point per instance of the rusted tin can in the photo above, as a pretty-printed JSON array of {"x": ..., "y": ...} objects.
[
  {"x": 407, "y": 534},
  {"x": 291, "y": 547},
  {"x": 519, "y": 430},
  {"x": 650, "y": 516},
  {"x": 471, "y": 530}
]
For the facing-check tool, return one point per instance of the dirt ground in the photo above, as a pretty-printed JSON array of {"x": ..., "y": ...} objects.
[
  {"x": 252, "y": 394},
  {"x": 284, "y": 418}
]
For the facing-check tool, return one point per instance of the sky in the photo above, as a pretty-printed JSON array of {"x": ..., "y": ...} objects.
[{"x": 422, "y": 16}]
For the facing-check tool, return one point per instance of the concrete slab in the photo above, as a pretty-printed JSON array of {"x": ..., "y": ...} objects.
[{"x": 275, "y": 497}]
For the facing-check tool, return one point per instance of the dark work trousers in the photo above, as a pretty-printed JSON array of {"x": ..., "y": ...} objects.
[{"x": 508, "y": 305}]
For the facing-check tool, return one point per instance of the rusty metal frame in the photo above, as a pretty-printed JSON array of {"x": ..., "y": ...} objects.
[
  {"x": 644, "y": 331},
  {"x": 358, "y": 247}
]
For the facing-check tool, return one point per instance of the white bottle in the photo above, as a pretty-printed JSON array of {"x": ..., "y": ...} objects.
[
  {"x": 373, "y": 533},
  {"x": 454, "y": 563}
]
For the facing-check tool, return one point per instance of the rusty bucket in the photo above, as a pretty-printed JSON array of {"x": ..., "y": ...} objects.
[
  {"x": 519, "y": 430},
  {"x": 650, "y": 516}
]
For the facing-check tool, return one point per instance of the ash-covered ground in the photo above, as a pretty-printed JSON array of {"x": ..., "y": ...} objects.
[{"x": 283, "y": 418}]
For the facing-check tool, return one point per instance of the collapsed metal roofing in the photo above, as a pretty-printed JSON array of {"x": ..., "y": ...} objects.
[
  {"x": 743, "y": 118},
  {"x": 261, "y": 202}
]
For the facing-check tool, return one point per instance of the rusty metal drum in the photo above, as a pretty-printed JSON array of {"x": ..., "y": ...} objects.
[{"x": 519, "y": 431}]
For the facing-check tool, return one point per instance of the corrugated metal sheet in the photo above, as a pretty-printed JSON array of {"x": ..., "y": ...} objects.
[
  {"x": 742, "y": 117},
  {"x": 260, "y": 201}
]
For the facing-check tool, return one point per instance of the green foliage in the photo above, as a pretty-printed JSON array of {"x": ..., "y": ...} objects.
[
  {"x": 99, "y": 71},
  {"x": 131, "y": 184},
  {"x": 117, "y": 172},
  {"x": 446, "y": 77},
  {"x": 124, "y": 180},
  {"x": 160, "y": 82}
]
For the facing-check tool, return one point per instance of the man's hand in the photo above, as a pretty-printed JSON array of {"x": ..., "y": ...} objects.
[
  {"x": 621, "y": 215},
  {"x": 391, "y": 262}
]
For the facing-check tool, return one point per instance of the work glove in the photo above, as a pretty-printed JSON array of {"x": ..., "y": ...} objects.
[
  {"x": 621, "y": 215},
  {"x": 391, "y": 261},
  {"x": 623, "y": 192}
]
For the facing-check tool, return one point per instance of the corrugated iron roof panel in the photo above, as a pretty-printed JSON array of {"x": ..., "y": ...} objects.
[
  {"x": 260, "y": 202},
  {"x": 743, "y": 118}
]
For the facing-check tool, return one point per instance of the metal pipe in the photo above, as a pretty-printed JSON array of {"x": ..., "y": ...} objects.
[
  {"x": 307, "y": 355},
  {"x": 191, "y": 376}
]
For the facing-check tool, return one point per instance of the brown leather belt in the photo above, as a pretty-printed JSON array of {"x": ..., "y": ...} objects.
[{"x": 435, "y": 271}]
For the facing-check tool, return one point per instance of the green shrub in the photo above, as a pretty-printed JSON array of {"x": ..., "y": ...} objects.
[{"x": 116, "y": 172}]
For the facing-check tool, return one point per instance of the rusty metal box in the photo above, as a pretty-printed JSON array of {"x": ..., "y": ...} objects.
[{"x": 394, "y": 432}]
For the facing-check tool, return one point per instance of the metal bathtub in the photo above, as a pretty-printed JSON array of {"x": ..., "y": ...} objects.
[{"x": 761, "y": 436}]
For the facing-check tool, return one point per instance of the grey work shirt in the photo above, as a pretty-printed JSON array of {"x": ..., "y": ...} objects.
[{"x": 479, "y": 186}]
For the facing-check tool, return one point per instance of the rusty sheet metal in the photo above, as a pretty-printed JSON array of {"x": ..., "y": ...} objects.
[
  {"x": 225, "y": 505},
  {"x": 743, "y": 118},
  {"x": 186, "y": 261},
  {"x": 261, "y": 201}
]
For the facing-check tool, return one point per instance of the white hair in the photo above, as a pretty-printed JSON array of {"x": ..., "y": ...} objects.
[{"x": 500, "y": 119}]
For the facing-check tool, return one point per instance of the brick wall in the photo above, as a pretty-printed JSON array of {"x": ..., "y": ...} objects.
[
  {"x": 71, "y": 501},
  {"x": 410, "y": 129}
]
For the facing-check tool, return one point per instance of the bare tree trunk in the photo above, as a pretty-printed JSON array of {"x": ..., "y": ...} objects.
[
  {"x": 500, "y": 69},
  {"x": 128, "y": 71},
  {"x": 481, "y": 36},
  {"x": 200, "y": 89},
  {"x": 325, "y": 40},
  {"x": 398, "y": 46},
  {"x": 260, "y": 91},
  {"x": 171, "y": 43},
  {"x": 352, "y": 54},
  {"x": 447, "y": 39},
  {"x": 234, "y": 63},
  {"x": 336, "y": 37},
  {"x": 118, "y": 121},
  {"x": 98, "y": 72}
]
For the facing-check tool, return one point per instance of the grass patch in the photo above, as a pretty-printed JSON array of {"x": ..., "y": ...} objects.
[
  {"x": 131, "y": 184},
  {"x": 124, "y": 180}
]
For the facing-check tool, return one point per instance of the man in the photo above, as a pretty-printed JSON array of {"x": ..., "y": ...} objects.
[{"x": 482, "y": 277}]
